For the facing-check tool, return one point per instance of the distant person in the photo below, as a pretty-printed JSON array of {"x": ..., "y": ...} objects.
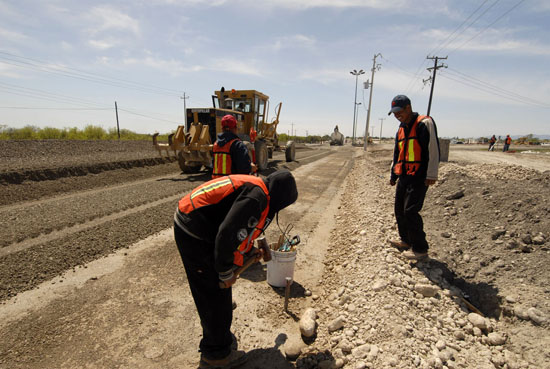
[
  {"x": 415, "y": 167},
  {"x": 230, "y": 153},
  {"x": 507, "y": 142},
  {"x": 215, "y": 226},
  {"x": 492, "y": 143}
]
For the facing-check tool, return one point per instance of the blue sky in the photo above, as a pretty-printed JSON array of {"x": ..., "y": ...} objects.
[{"x": 64, "y": 63}]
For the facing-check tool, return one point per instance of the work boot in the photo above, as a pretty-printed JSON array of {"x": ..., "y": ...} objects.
[
  {"x": 413, "y": 255},
  {"x": 233, "y": 360},
  {"x": 400, "y": 245}
]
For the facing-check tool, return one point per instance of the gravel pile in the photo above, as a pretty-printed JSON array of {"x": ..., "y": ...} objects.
[{"x": 378, "y": 310}]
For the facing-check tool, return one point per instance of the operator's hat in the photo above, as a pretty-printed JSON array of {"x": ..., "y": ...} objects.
[
  {"x": 399, "y": 103},
  {"x": 229, "y": 121}
]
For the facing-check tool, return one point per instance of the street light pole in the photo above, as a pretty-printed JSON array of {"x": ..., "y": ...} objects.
[{"x": 356, "y": 74}]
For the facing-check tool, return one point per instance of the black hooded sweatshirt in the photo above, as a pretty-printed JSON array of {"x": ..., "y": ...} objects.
[{"x": 224, "y": 225}]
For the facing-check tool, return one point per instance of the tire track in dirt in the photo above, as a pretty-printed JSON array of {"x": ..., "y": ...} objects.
[{"x": 57, "y": 234}]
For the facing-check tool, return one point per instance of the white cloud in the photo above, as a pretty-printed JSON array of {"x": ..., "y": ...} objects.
[
  {"x": 7, "y": 70},
  {"x": 393, "y": 5},
  {"x": 108, "y": 18},
  {"x": 295, "y": 41},
  {"x": 238, "y": 67},
  {"x": 171, "y": 66},
  {"x": 8, "y": 35},
  {"x": 504, "y": 40},
  {"x": 66, "y": 45},
  {"x": 101, "y": 44},
  {"x": 324, "y": 76}
]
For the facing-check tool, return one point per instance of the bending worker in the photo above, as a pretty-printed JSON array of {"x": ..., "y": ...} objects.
[
  {"x": 215, "y": 226},
  {"x": 414, "y": 168},
  {"x": 230, "y": 153}
]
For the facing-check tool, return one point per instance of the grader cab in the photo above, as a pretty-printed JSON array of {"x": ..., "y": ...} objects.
[{"x": 193, "y": 143}]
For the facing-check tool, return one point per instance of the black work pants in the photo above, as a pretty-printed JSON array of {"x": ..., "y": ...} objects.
[
  {"x": 213, "y": 303},
  {"x": 409, "y": 199}
]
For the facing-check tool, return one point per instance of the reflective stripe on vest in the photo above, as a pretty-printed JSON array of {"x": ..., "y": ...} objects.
[
  {"x": 409, "y": 150},
  {"x": 222, "y": 159},
  {"x": 214, "y": 191}
]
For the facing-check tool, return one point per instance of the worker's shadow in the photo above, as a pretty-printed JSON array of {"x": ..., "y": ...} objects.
[
  {"x": 483, "y": 296},
  {"x": 257, "y": 272},
  {"x": 273, "y": 357}
]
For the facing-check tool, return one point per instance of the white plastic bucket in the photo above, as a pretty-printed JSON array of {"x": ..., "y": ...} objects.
[{"x": 280, "y": 267}]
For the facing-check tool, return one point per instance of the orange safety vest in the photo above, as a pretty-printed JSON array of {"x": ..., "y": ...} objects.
[
  {"x": 508, "y": 140},
  {"x": 214, "y": 191},
  {"x": 222, "y": 159},
  {"x": 409, "y": 150}
]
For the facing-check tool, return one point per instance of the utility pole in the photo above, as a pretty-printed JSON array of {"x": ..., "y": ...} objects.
[
  {"x": 356, "y": 74},
  {"x": 432, "y": 78},
  {"x": 292, "y": 129},
  {"x": 374, "y": 68},
  {"x": 381, "y": 123},
  {"x": 117, "y": 126},
  {"x": 184, "y": 109}
]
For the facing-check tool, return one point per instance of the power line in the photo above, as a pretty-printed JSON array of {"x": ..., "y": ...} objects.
[
  {"x": 36, "y": 93},
  {"x": 441, "y": 45},
  {"x": 471, "y": 23},
  {"x": 147, "y": 116},
  {"x": 489, "y": 25},
  {"x": 492, "y": 91},
  {"x": 475, "y": 80},
  {"x": 50, "y": 96},
  {"x": 43, "y": 108},
  {"x": 24, "y": 62}
]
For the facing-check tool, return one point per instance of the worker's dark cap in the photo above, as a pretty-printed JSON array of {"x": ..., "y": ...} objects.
[
  {"x": 399, "y": 103},
  {"x": 282, "y": 191}
]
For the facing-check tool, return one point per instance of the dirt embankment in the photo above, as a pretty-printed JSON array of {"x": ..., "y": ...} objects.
[{"x": 488, "y": 230}]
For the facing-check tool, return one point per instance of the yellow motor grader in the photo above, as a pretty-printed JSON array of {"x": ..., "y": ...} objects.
[{"x": 193, "y": 143}]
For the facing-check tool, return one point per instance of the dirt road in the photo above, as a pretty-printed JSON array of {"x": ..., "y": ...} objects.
[
  {"x": 90, "y": 276},
  {"x": 133, "y": 308}
]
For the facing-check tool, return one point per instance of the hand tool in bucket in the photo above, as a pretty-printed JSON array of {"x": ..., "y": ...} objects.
[
  {"x": 262, "y": 252},
  {"x": 288, "y": 244}
]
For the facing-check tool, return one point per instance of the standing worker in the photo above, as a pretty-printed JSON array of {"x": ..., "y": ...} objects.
[
  {"x": 414, "y": 168},
  {"x": 215, "y": 227},
  {"x": 492, "y": 143},
  {"x": 507, "y": 142},
  {"x": 230, "y": 153}
]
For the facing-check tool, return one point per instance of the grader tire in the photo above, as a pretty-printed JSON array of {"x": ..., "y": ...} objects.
[
  {"x": 187, "y": 168},
  {"x": 290, "y": 151},
  {"x": 261, "y": 154}
]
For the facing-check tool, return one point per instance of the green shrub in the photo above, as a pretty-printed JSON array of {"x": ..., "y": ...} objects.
[{"x": 90, "y": 132}]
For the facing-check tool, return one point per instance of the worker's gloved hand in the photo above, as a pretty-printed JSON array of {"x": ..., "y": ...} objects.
[
  {"x": 229, "y": 282},
  {"x": 259, "y": 255},
  {"x": 253, "y": 168},
  {"x": 392, "y": 182},
  {"x": 227, "y": 279}
]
